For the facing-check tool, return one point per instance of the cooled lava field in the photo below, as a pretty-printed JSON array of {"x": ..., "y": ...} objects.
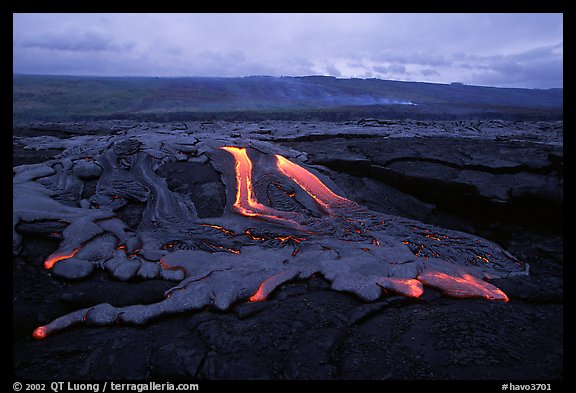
[{"x": 371, "y": 249}]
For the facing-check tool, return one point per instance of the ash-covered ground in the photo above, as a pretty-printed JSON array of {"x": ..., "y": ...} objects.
[{"x": 498, "y": 180}]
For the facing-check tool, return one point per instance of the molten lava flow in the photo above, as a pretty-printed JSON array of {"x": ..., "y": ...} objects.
[
  {"x": 412, "y": 288},
  {"x": 48, "y": 263},
  {"x": 309, "y": 183},
  {"x": 261, "y": 294},
  {"x": 462, "y": 286},
  {"x": 40, "y": 333},
  {"x": 245, "y": 203},
  {"x": 268, "y": 285},
  {"x": 406, "y": 286}
]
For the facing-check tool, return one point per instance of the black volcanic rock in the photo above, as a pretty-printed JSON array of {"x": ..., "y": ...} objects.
[
  {"x": 200, "y": 182},
  {"x": 306, "y": 330},
  {"x": 518, "y": 180}
]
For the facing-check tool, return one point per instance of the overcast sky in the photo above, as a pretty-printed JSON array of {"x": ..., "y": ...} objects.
[{"x": 508, "y": 50}]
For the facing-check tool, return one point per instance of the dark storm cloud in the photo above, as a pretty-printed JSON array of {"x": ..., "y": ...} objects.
[{"x": 523, "y": 50}]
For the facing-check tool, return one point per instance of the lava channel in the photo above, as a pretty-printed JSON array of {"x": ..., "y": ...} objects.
[
  {"x": 248, "y": 205},
  {"x": 324, "y": 196},
  {"x": 246, "y": 202},
  {"x": 50, "y": 261}
]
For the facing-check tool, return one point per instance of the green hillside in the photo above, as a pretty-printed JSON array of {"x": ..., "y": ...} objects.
[{"x": 64, "y": 98}]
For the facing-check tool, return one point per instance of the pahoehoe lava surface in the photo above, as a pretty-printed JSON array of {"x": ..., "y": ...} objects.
[{"x": 154, "y": 226}]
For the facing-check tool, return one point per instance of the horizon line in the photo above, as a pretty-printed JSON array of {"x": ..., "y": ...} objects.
[{"x": 454, "y": 83}]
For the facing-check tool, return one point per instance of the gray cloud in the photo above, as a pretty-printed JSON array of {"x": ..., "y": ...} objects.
[
  {"x": 530, "y": 68},
  {"x": 391, "y": 69},
  {"x": 79, "y": 41},
  {"x": 522, "y": 50},
  {"x": 426, "y": 58},
  {"x": 332, "y": 70},
  {"x": 74, "y": 38},
  {"x": 429, "y": 72}
]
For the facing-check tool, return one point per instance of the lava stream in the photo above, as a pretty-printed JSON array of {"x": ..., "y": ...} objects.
[
  {"x": 324, "y": 196},
  {"x": 49, "y": 263},
  {"x": 248, "y": 205},
  {"x": 245, "y": 203}
]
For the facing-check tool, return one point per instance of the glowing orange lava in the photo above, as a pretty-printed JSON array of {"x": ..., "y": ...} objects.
[
  {"x": 222, "y": 248},
  {"x": 406, "y": 286},
  {"x": 218, "y": 227},
  {"x": 287, "y": 238},
  {"x": 309, "y": 183},
  {"x": 483, "y": 258},
  {"x": 268, "y": 285},
  {"x": 40, "y": 333},
  {"x": 168, "y": 267},
  {"x": 249, "y": 233},
  {"x": 49, "y": 263},
  {"x": 413, "y": 288},
  {"x": 261, "y": 294},
  {"x": 245, "y": 203},
  {"x": 463, "y": 286}
]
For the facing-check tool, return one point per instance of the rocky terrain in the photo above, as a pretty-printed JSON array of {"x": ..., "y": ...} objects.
[{"x": 497, "y": 180}]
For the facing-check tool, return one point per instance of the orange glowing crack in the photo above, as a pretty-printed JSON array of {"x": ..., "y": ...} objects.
[
  {"x": 252, "y": 236},
  {"x": 287, "y": 238},
  {"x": 226, "y": 249},
  {"x": 168, "y": 267},
  {"x": 309, "y": 183},
  {"x": 483, "y": 258},
  {"x": 49, "y": 263},
  {"x": 218, "y": 227}
]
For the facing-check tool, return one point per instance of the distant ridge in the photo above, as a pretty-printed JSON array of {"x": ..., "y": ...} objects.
[{"x": 66, "y": 98}]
